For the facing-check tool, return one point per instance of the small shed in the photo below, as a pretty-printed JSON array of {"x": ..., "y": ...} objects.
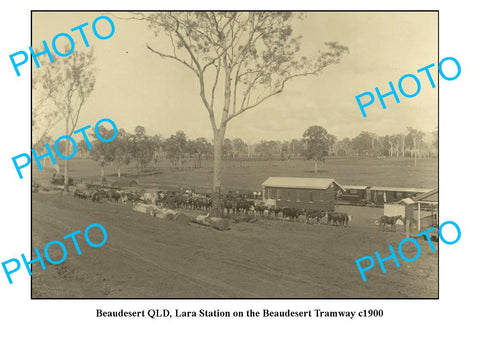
[
  {"x": 300, "y": 192},
  {"x": 402, "y": 208}
]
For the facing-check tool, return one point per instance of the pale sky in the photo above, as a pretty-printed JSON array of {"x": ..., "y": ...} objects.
[{"x": 136, "y": 87}]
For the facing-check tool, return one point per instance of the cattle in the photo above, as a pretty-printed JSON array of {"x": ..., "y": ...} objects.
[
  {"x": 170, "y": 201},
  {"x": 231, "y": 204},
  {"x": 95, "y": 196},
  {"x": 245, "y": 207},
  {"x": 346, "y": 218},
  {"x": 114, "y": 196},
  {"x": 124, "y": 198},
  {"x": 186, "y": 200},
  {"x": 237, "y": 204},
  {"x": 291, "y": 213},
  {"x": 228, "y": 205},
  {"x": 201, "y": 202},
  {"x": 81, "y": 194},
  {"x": 314, "y": 215},
  {"x": 338, "y": 218},
  {"x": 302, "y": 218},
  {"x": 275, "y": 211},
  {"x": 160, "y": 195},
  {"x": 134, "y": 197},
  {"x": 391, "y": 220},
  {"x": 102, "y": 194},
  {"x": 149, "y": 197},
  {"x": 260, "y": 209}
]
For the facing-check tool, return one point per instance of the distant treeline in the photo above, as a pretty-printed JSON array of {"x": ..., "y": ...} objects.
[{"x": 141, "y": 149}]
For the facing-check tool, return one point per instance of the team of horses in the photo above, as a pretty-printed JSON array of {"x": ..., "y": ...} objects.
[{"x": 231, "y": 204}]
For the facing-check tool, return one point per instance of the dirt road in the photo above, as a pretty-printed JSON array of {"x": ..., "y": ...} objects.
[{"x": 148, "y": 257}]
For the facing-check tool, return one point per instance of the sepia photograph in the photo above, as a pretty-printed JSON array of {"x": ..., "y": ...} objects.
[{"x": 244, "y": 154}]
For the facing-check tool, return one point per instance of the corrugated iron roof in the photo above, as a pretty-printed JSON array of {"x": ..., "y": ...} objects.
[
  {"x": 356, "y": 187},
  {"x": 301, "y": 183},
  {"x": 400, "y": 189},
  {"x": 428, "y": 194},
  {"x": 407, "y": 201}
]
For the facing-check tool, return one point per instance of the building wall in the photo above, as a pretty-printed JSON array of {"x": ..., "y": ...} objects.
[
  {"x": 302, "y": 198},
  {"x": 390, "y": 209}
]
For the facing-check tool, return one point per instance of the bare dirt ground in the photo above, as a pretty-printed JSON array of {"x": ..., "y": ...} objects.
[{"x": 152, "y": 258}]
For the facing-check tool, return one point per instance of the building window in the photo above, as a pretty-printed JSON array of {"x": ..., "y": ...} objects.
[
  {"x": 278, "y": 194},
  {"x": 288, "y": 195},
  {"x": 269, "y": 194},
  {"x": 298, "y": 195},
  {"x": 310, "y": 195}
]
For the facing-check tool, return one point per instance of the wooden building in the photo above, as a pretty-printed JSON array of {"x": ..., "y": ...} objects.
[
  {"x": 299, "y": 192},
  {"x": 419, "y": 212},
  {"x": 427, "y": 204},
  {"x": 402, "y": 208}
]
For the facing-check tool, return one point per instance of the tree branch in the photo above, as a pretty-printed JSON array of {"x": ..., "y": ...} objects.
[
  {"x": 215, "y": 85},
  {"x": 278, "y": 91},
  {"x": 163, "y": 55}
]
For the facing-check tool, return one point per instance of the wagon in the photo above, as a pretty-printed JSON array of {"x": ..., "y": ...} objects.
[
  {"x": 60, "y": 180},
  {"x": 377, "y": 196}
]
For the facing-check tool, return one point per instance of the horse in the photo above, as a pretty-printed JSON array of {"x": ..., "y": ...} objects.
[{"x": 392, "y": 220}]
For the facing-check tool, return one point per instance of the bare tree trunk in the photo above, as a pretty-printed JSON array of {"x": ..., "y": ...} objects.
[
  {"x": 217, "y": 171},
  {"x": 119, "y": 174},
  {"x": 316, "y": 166},
  {"x": 219, "y": 136},
  {"x": 67, "y": 152}
]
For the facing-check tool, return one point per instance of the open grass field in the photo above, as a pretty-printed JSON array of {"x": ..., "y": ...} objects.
[
  {"x": 249, "y": 175},
  {"x": 148, "y": 257}
]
